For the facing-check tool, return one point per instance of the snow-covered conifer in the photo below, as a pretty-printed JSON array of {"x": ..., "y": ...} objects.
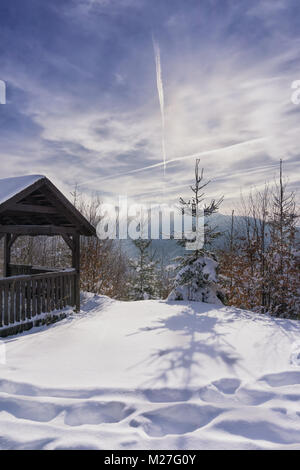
[{"x": 196, "y": 278}]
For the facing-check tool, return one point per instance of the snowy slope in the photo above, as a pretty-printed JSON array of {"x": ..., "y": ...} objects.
[{"x": 155, "y": 375}]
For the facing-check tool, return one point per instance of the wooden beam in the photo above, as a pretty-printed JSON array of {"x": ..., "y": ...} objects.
[
  {"x": 68, "y": 241},
  {"x": 68, "y": 208},
  {"x": 61, "y": 207},
  {"x": 12, "y": 240},
  {"x": 33, "y": 208},
  {"x": 56, "y": 199},
  {"x": 76, "y": 266},
  {"x": 25, "y": 277},
  {"x": 6, "y": 255},
  {"x": 36, "y": 229}
]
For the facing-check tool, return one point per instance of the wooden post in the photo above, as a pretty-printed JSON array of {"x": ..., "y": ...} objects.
[
  {"x": 6, "y": 254},
  {"x": 76, "y": 265}
]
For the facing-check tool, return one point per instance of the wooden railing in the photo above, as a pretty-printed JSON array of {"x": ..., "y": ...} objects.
[
  {"x": 24, "y": 297},
  {"x": 20, "y": 269}
]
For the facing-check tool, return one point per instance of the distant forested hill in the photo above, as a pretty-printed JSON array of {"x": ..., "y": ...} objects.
[{"x": 169, "y": 249}]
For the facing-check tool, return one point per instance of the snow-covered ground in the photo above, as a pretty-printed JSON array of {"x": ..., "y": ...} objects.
[{"x": 153, "y": 375}]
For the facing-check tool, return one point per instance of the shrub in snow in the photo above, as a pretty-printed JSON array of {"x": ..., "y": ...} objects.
[{"x": 197, "y": 280}]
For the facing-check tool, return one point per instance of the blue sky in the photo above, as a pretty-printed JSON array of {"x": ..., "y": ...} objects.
[{"x": 82, "y": 100}]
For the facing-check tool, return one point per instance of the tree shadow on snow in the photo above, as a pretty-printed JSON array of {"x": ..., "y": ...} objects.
[{"x": 180, "y": 359}]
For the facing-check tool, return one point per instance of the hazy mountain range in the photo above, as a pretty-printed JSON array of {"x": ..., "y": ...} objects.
[{"x": 170, "y": 249}]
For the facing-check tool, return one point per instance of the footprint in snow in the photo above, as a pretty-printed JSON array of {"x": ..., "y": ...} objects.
[
  {"x": 282, "y": 379},
  {"x": 295, "y": 356},
  {"x": 175, "y": 419},
  {"x": 227, "y": 385},
  {"x": 96, "y": 413}
]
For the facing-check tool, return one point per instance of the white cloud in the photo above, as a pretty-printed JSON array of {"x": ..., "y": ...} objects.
[{"x": 214, "y": 97}]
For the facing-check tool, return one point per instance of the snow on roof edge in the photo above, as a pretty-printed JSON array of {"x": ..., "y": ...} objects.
[{"x": 9, "y": 187}]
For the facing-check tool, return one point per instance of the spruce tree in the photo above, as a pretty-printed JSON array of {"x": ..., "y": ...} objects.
[
  {"x": 283, "y": 272},
  {"x": 197, "y": 275},
  {"x": 143, "y": 283}
]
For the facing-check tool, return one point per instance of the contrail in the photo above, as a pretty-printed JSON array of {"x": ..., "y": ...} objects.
[
  {"x": 216, "y": 178},
  {"x": 160, "y": 90},
  {"x": 174, "y": 160}
]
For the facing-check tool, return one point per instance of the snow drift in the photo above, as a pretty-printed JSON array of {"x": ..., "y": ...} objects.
[{"x": 153, "y": 374}]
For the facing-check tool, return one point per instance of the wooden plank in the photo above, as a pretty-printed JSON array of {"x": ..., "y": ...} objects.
[
  {"x": 28, "y": 299},
  {"x": 68, "y": 241},
  {"x": 23, "y": 300},
  {"x": 63, "y": 295},
  {"x": 1, "y": 307},
  {"x": 71, "y": 291},
  {"x": 33, "y": 208},
  {"x": 43, "y": 295},
  {"x": 38, "y": 296},
  {"x": 18, "y": 310},
  {"x": 59, "y": 292},
  {"x": 6, "y": 254},
  {"x": 27, "y": 296},
  {"x": 27, "y": 303},
  {"x": 72, "y": 282},
  {"x": 26, "y": 277},
  {"x": 6, "y": 310},
  {"x": 12, "y": 302},
  {"x": 48, "y": 294},
  {"x": 33, "y": 296},
  {"x": 12, "y": 240},
  {"x": 65, "y": 286},
  {"x": 19, "y": 270},
  {"x": 52, "y": 305},
  {"x": 76, "y": 266},
  {"x": 56, "y": 293},
  {"x": 37, "y": 229},
  {"x": 61, "y": 286},
  {"x": 67, "y": 279}
]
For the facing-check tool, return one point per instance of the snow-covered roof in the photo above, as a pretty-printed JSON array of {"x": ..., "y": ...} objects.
[
  {"x": 19, "y": 208},
  {"x": 9, "y": 187}
]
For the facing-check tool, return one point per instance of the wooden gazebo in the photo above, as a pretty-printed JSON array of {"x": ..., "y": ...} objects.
[{"x": 32, "y": 205}]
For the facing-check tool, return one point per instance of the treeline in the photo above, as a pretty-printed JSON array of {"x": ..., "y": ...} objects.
[
  {"x": 260, "y": 263},
  {"x": 257, "y": 269}
]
